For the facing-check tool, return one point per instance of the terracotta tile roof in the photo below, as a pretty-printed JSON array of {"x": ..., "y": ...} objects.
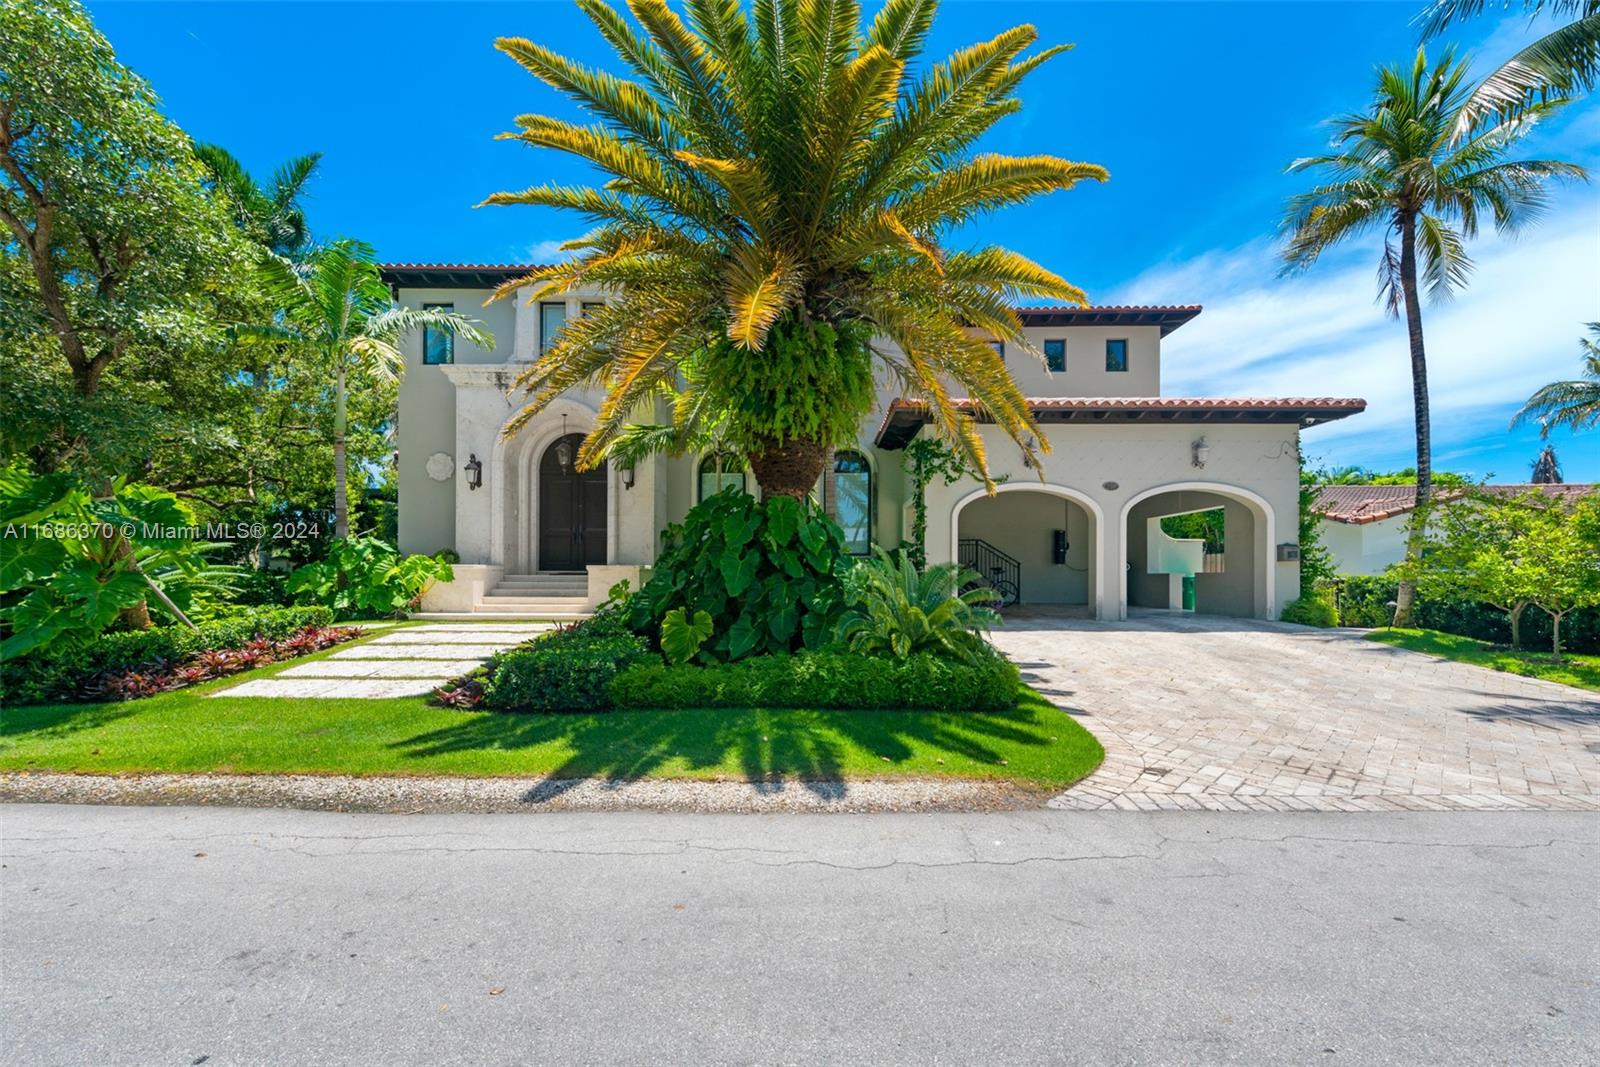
[
  {"x": 1360, "y": 504},
  {"x": 905, "y": 417},
  {"x": 480, "y": 275}
]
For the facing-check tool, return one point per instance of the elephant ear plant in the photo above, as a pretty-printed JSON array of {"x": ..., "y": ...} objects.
[
  {"x": 896, "y": 610},
  {"x": 765, "y": 573}
]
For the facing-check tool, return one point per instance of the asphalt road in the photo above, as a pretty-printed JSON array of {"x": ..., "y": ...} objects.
[{"x": 194, "y": 935}]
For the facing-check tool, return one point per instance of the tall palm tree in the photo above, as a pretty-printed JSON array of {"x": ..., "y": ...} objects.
[
  {"x": 335, "y": 305},
  {"x": 1405, "y": 167},
  {"x": 272, "y": 214},
  {"x": 1574, "y": 403},
  {"x": 1562, "y": 63},
  {"x": 777, "y": 189}
]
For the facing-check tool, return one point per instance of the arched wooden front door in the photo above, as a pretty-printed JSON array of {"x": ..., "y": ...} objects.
[{"x": 572, "y": 509}]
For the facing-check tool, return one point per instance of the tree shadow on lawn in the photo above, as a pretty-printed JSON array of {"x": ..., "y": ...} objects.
[
  {"x": 771, "y": 747},
  {"x": 40, "y": 721}
]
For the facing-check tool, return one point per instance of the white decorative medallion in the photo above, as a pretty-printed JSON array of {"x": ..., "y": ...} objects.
[{"x": 440, "y": 466}]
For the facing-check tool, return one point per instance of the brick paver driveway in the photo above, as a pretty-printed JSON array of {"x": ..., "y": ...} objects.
[{"x": 1230, "y": 714}]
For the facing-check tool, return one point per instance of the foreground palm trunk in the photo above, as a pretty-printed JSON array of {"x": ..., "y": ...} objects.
[
  {"x": 1407, "y": 594},
  {"x": 789, "y": 469},
  {"x": 341, "y": 494}
]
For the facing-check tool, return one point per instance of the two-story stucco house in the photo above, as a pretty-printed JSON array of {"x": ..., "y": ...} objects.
[{"x": 537, "y": 536}]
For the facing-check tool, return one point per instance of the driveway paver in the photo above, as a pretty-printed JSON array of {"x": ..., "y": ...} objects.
[{"x": 1233, "y": 715}]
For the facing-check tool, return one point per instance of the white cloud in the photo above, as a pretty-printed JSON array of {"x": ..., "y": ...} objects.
[
  {"x": 547, "y": 251},
  {"x": 1323, "y": 334}
]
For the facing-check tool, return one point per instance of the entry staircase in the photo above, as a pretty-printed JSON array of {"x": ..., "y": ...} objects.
[{"x": 543, "y": 596}]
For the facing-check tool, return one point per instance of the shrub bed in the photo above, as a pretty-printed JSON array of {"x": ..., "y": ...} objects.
[
  {"x": 1311, "y": 611},
  {"x": 1364, "y": 600},
  {"x": 566, "y": 670},
  {"x": 84, "y": 671},
  {"x": 824, "y": 680}
]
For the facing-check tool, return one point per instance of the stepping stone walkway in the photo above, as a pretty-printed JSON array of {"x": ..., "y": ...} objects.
[{"x": 407, "y": 662}]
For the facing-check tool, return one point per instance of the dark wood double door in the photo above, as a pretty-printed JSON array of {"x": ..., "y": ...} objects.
[{"x": 572, "y": 509}]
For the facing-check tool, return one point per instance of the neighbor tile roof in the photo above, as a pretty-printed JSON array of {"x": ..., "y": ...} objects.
[
  {"x": 1360, "y": 504},
  {"x": 904, "y": 417}
]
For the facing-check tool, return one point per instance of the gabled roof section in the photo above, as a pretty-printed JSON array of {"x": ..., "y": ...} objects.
[
  {"x": 1168, "y": 317},
  {"x": 906, "y": 417},
  {"x": 453, "y": 275},
  {"x": 1357, "y": 505},
  {"x": 489, "y": 275}
]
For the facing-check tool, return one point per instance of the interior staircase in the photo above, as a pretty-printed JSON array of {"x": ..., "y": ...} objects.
[{"x": 540, "y": 596}]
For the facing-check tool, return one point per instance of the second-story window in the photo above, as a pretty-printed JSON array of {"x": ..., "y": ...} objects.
[
  {"x": 592, "y": 305},
  {"x": 438, "y": 347},
  {"x": 1055, "y": 355},
  {"x": 552, "y": 317},
  {"x": 1116, "y": 354},
  {"x": 999, "y": 348}
]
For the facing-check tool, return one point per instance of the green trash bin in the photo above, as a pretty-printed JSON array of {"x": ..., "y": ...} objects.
[{"x": 1188, "y": 592}]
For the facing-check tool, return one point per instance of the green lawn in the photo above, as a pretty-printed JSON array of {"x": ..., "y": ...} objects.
[
  {"x": 1580, "y": 671},
  {"x": 187, "y": 731}
]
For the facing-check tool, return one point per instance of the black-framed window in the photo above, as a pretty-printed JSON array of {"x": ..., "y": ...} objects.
[
  {"x": 718, "y": 472},
  {"x": 852, "y": 500},
  {"x": 552, "y": 319},
  {"x": 438, "y": 347},
  {"x": 999, "y": 348},
  {"x": 1055, "y": 355},
  {"x": 1116, "y": 354},
  {"x": 592, "y": 305}
]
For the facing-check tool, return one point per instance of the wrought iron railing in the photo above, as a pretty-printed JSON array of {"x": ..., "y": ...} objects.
[{"x": 993, "y": 567}]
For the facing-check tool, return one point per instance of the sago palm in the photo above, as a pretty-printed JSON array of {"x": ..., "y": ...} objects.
[
  {"x": 1405, "y": 168},
  {"x": 272, "y": 214},
  {"x": 335, "y": 306},
  {"x": 1574, "y": 403},
  {"x": 897, "y": 610},
  {"x": 777, "y": 188},
  {"x": 1562, "y": 63}
]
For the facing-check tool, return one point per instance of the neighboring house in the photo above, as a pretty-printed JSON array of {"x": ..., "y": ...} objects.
[
  {"x": 1364, "y": 527},
  {"x": 536, "y": 535}
]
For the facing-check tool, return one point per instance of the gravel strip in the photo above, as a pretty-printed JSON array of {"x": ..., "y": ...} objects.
[{"x": 404, "y": 795}]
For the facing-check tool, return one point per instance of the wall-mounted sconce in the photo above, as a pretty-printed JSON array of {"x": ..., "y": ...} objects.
[
  {"x": 1027, "y": 452},
  {"x": 1202, "y": 452},
  {"x": 474, "y": 469},
  {"x": 627, "y": 477}
]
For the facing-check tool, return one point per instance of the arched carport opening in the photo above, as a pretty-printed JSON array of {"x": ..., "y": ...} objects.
[
  {"x": 1156, "y": 564},
  {"x": 1049, "y": 537}
]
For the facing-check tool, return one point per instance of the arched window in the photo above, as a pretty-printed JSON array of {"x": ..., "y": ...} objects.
[
  {"x": 852, "y": 500},
  {"x": 718, "y": 471}
]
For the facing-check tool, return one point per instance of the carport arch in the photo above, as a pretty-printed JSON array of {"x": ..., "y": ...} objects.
[
  {"x": 1260, "y": 510},
  {"x": 1097, "y": 520}
]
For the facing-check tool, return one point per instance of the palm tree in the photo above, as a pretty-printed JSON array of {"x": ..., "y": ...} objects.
[
  {"x": 1404, "y": 167},
  {"x": 272, "y": 215},
  {"x": 1547, "y": 468},
  {"x": 1562, "y": 63},
  {"x": 1574, "y": 403},
  {"x": 777, "y": 188},
  {"x": 334, "y": 304}
]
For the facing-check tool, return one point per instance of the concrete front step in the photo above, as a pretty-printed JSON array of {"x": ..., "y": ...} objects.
[{"x": 518, "y": 615}]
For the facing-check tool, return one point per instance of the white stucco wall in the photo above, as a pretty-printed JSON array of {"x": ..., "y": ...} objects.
[
  {"x": 1365, "y": 548},
  {"x": 461, "y": 409},
  {"x": 1249, "y": 463}
]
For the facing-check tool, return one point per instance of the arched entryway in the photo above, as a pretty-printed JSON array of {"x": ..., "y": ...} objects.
[
  {"x": 572, "y": 508},
  {"x": 1044, "y": 539},
  {"x": 1199, "y": 546}
]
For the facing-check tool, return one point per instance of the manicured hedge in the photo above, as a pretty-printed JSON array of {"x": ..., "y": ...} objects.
[
  {"x": 1311, "y": 611},
  {"x": 1364, "y": 601},
  {"x": 61, "y": 672},
  {"x": 823, "y": 680},
  {"x": 566, "y": 670}
]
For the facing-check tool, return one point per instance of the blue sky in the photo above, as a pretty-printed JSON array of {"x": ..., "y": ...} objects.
[{"x": 1194, "y": 107}]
